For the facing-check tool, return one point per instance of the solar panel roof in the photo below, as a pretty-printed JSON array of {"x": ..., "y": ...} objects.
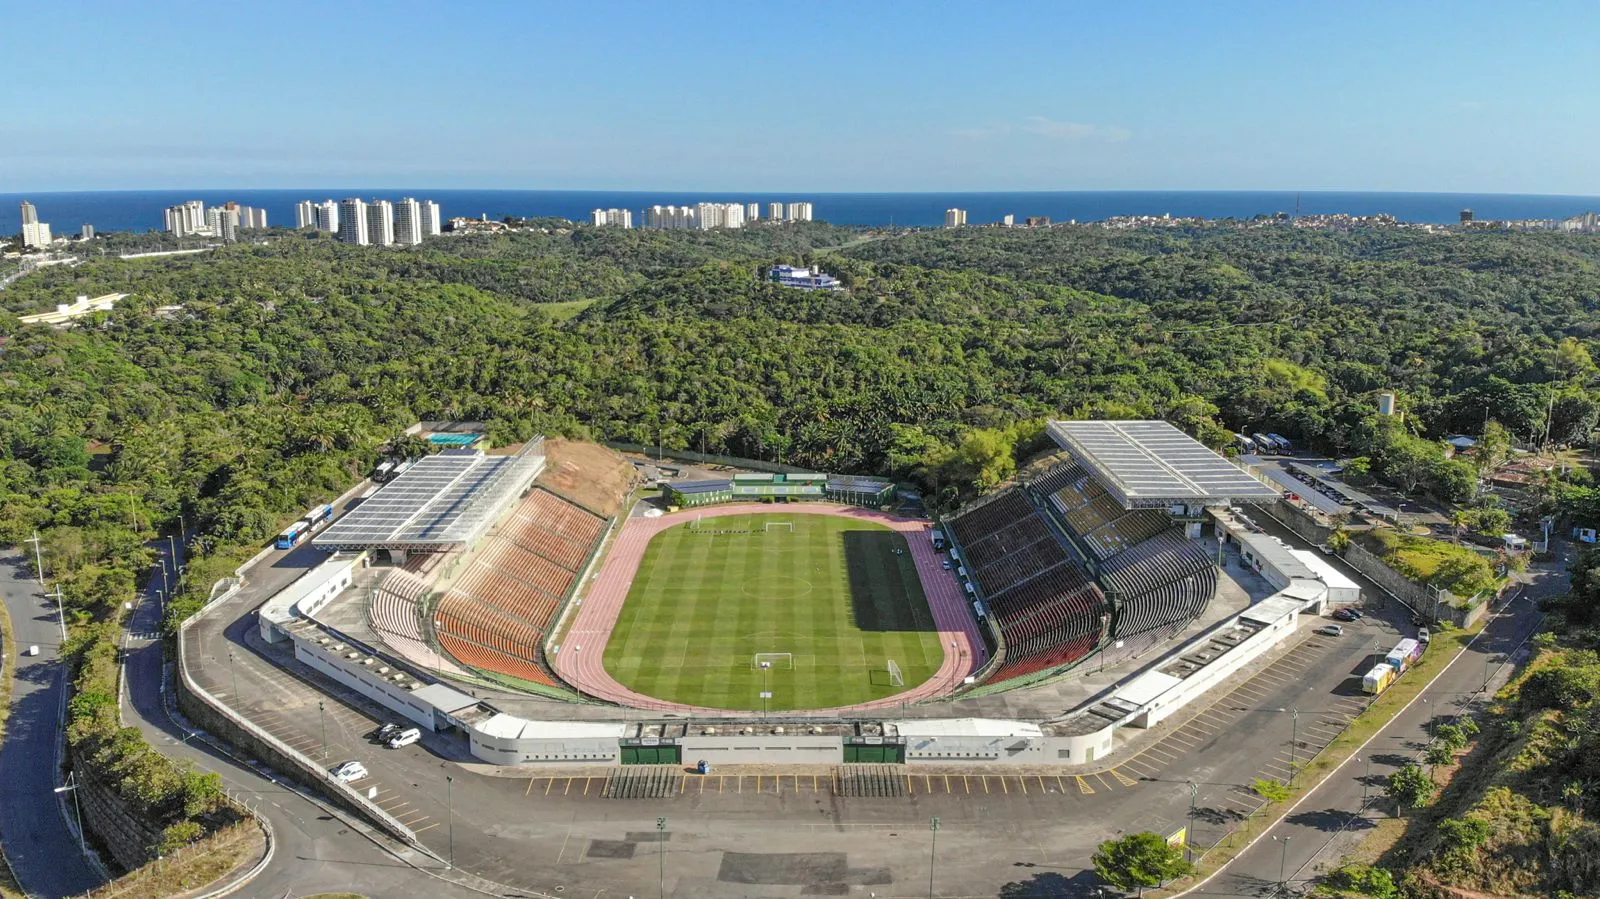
[
  {"x": 858, "y": 483},
  {"x": 1151, "y": 463},
  {"x": 442, "y": 499}
]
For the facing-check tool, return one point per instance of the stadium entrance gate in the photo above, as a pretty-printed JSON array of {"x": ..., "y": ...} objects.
[{"x": 652, "y": 755}]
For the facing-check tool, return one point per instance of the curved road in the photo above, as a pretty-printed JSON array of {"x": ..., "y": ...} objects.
[
  {"x": 583, "y": 664},
  {"x": 41, "y": 846}
]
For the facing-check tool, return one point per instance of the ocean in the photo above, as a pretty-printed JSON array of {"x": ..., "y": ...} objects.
[{"x": 142, "y": 210}]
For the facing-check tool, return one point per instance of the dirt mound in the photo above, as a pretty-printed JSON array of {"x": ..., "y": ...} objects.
[{"x": 597, "y": 478}]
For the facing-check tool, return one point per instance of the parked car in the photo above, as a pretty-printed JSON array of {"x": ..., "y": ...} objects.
[
  {"x": 1331, "y": 630},
  {"x": 405, "y": 738},
  {"x": 345, "y": 772},
  {"x": 945, "y": 564},
  {"x": 1345, "y": 615},
  {"x": 1417, "y": 620},
  {"x": 382, "y": 734},
  {"x": 1423, "y": 636}
]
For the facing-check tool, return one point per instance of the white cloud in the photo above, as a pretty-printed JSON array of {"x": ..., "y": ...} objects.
[{"x": 1050, "y": 129}]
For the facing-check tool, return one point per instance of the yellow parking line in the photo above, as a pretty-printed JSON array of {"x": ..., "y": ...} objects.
[
  {"x": 910, "y": 786},
  {"x": 985, "y": 783},
  {"x": 1186, "y": 741},
  {"x": 758, "y": 783},
  {"x": 530, "y": 787},
  {"x": 947, "y": 784},
  {"x": 1125, "y": 779},
  {"x": 1136, "y": 765},
  {"x": 719, "y": 783},
  {"x": 1100, "y": 776},
  {"x": 1042, "y": 787},
  {"x": 569, "y": 787},
  {"x": 813, "y": 783},
  {"x": 548, "y": 784},
  {"x": 421, "y": 829},
  {"x": 927, "y": 783},
  {"x": 740, "y": 786},
  {"x": 683, "y": 785},
  {"x": 1061, "y": 782},
  {"x": 1023, "y": 784},
  {"x": 1083, "y": 786},
  {"x": 965, "y": 781}
]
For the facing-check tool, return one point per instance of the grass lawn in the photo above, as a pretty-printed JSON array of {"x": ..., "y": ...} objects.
[{"x": 832, "y": 592}]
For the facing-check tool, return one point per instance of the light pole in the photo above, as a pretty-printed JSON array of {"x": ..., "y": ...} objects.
[
  {"x": 661, "y": 856},
  {"x": 61, "y": 611},
  {"x": 77, "y": 810},
  {"x": 766, "y": 693},
  {"x": 1283, "y": 865},
  {"x": 450, "y": 800},
  {"x": 323, "y": 721},
  {"x": 1487, "y": 659},
  {"x": 1294, "y": 743},
  {"x": 1188, "y": 830},
  {"x": 933, "y": 852},
  {"x": 1366, "y": 777},
  {"x": 1429, "y": 710},
  {"x": 235, "y": 677}
]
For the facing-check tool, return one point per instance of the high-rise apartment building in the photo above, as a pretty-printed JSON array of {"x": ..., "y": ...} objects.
[
  {"x": 430, "y": 219},
  {"x": 223, "y": 222},
  {"x": 187, "y": 219},
  {"x": 380, "y": 223},
  {"x": 326, "y": 217},
  {"x": 798, "y": 212},
  {"x": 30, "y": 215},
  {"x": 87, "y": 233},
  {"x": 672, "y": 217},
  {"x": 305, "y": 214},
  {"x": 718, "y": 215},
  {"x": 408, "y": 222},
  {"x": 955, "y": 218},
  {"x": 775, "y": 211},
  {"x": 34, "y": 232},
  {"x": 752, "y": 212},
  {"x": 613, "y": 218},
  {"x": 353, "y": 221},
  {"x": 1009, "y": 220},
  {"x": 252, "y": 217}
]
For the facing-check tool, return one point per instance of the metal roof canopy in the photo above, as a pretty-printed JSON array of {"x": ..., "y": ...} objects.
[
  {"x": 1150, "y": 464},
  {"x": 441, "y": 501}
]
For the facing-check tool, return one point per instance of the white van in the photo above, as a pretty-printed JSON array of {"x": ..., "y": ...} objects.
[{"x": 405, "y": 738}]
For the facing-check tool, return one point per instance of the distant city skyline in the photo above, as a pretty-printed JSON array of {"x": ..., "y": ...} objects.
[{"x": 1366, "y": 96}]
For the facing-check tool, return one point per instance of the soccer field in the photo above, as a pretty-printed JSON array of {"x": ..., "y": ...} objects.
[{"x": 829, "y": 591}]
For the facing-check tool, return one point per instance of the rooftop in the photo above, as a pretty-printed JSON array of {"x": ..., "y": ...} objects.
[
  {"x": 1151, "y": 463},
  {"x": 442, "y": 501}
]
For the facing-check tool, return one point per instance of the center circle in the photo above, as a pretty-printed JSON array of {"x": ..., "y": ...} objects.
[{"x": 776, "y": 586}]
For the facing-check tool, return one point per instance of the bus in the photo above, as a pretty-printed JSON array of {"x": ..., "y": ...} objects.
[
  {"x": 292, "y": 535},
  {"x": 319, "y": 515}
]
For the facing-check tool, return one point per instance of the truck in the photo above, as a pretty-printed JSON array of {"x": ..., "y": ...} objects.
[
  {"x": 1377, "y": 680},
  {"x": 938, "y": 540},
  {"x": 292, "y": 535}
]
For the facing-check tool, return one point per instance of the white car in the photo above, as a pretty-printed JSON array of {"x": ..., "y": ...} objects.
[
  {"x": 349, "y": 771},
  {"x": 405, "y": 738},
  {"x": 1331, "y": 630}
]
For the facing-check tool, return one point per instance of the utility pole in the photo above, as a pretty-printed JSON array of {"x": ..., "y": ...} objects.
[
  {"x": 61, "y": 611},
  {"x": 71, "y": 786},
  {"x": 933, "y": 853},
  {"x": 1188, "y": 830},
  {"x": 38, "y": 560},
  {"x": 1283, "y": 866},
  {"x": 1294, "y": 743}
]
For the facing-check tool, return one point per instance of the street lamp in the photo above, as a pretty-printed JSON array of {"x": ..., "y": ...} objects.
[
  {"x": 1294, "y": 743},
  {"x": 933, "y": 852},
  {"x": 1283, "y": 865},
  {"x": 450, "y": 799},
  {"x": 77, "y": 810},
  {"x": 766, "y": 693},
  {"x": 235, "y": 677},
  {"x": 323, "y": 721},
  {"x": 661, "y": 856},
  {"x": 1188, "y": 832},
  {"x": 1366, "y": 777}
]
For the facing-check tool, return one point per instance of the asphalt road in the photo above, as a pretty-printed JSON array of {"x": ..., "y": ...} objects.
[
  {"x": 42, "y": 848},
  {"x": 1332, "y": 818}
]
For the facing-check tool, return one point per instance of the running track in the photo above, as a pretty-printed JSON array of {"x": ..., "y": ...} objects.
[{"x": 580, "y": 661}]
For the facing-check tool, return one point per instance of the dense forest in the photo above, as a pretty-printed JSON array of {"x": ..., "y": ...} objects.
[{"x": 236, "y": 387}]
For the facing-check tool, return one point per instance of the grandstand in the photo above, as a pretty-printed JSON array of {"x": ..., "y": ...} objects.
[
  {"x": 443, "y": 502},
  {"x": 497, "y": 612},
  {"x": 1085, "y": 559}
]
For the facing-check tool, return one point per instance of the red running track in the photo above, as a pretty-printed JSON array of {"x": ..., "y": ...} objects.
[{"x": 580, "y": 661}]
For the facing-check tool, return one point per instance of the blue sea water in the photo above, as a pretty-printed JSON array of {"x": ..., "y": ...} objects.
[{"x": 141, "y": 210}]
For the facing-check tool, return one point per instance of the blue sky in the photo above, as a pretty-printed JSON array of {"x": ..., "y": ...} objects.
[{"x": 881, "y": 95}]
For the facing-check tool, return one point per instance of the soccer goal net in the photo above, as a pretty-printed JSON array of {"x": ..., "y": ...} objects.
[
  {"x": 780, "y": 527},
  {"x": 896, "y": 677},
  {"x": 777, "y": 661}
]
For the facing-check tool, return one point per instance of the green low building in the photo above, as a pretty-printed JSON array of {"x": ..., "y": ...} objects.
[{"x": 859, "y": 491}]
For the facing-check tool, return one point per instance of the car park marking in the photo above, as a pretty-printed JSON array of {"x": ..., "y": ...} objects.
[
  {"x": 1125, "y": 779},
  {"x": 416, "y": 830},
  {"x": 1083, "y": 786}
]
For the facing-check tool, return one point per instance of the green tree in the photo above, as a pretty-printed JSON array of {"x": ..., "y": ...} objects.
[
  {"x": 1437, "y": 754},
  {"x": 1410, "y": 787},
  {"x": 1493, "y": 449},
  {"x": 1463, "y": 834},
  {"x": 1140, "y": 860},
  {"x": 1271, "y": 790}
]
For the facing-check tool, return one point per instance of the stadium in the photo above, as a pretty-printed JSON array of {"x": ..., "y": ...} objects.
[{"x": 541, "y": 580}]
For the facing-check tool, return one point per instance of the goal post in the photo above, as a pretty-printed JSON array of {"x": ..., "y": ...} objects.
[
  {"x": 778, "y": 527},
  {"x": 776, "y": 661},
  {"x": 897, "y": 678}
]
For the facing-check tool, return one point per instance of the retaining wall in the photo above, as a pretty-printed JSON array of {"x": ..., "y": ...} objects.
[
  {"x": 1298, "y": 521},
  {"x": 130, "y": 838}
]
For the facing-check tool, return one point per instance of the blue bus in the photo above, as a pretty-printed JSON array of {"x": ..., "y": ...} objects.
[
  {"x": 319, "y": 515},
  {"x": 292, "y": 535}
]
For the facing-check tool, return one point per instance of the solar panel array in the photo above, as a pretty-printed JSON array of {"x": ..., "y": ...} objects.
[
  {"x": 688, "y": 487},
  {"x": 858, "y": 483},
  {"x": 442, "y": 500},
  {"x": 1152, "y": 463}
]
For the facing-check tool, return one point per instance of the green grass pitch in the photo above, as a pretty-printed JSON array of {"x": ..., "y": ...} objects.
[{"x": 833, "y": 593}]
